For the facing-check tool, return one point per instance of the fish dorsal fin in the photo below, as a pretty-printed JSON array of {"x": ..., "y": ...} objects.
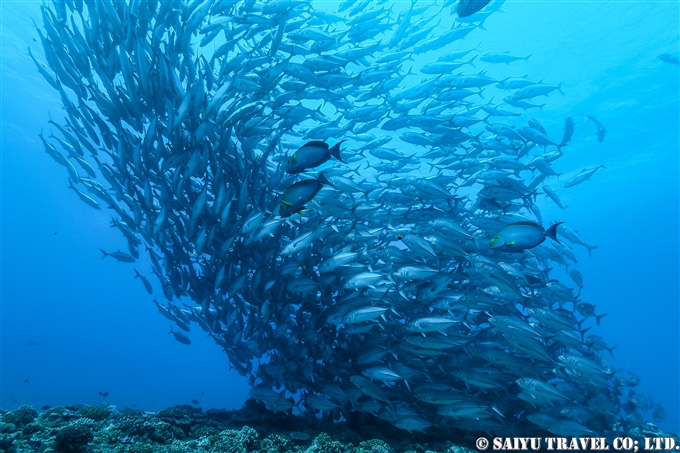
[
  {"x": 525, "y": 223},
  {"x": 316, "y": 143}
]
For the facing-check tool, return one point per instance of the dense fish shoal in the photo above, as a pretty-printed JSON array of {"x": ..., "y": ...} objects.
[{"x": 337, "y": 199}]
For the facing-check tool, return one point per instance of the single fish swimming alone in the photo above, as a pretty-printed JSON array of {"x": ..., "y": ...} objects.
[
  {"x": 581, "y": 177},
  {"x": 179, "y": 336},
  {"x": 665, "y": 57},
  {"x": 601, "y": 130},
  {"x": 501, "y": 57}
]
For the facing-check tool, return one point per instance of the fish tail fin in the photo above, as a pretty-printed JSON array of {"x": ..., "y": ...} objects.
[
  {"x": 527, "y": 58},
  {"x": 432, "y": 165},
  {"x": 137, "y": 273},
  {"x": 611, "y": 351},
  {"x": 472, "y": 62},
  {"x": 598, "y": 317},
  {"x": 559, "y": 86},
  {"x": 105, "y": 254},
  {"x": 335, "y": 151},
  {"x": 323, "y": 179},
  {"x": 552, "y": 232},
  {"x": 590, "y": 249},
  {"x": 583, "y": 332}
]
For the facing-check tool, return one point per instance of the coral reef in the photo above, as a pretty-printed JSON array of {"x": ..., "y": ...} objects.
[
  {"x": 185, "y": 429},
  {"x": 22, "y": 415},
  {"x": 74, "y": 437},
  {"x": 96, "y": 413}
]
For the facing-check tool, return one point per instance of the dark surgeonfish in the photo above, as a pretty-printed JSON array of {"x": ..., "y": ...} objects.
[
  {"x": 520, "y": 236},
  {"x": 299, "y": 194},
  {"x": 311, "y": 155}
]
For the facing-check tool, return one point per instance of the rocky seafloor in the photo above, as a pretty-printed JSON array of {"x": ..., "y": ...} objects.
[{"x": 94, "y": 429}]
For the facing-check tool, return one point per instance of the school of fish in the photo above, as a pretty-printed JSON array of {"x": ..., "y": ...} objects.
[{"x": 358, "y": 232}]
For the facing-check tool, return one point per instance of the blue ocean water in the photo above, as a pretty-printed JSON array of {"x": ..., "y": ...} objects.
[{"x": 75, "y": 325}]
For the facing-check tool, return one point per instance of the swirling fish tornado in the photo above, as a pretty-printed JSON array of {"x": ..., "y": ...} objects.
[{"x": 343, "y": 202}]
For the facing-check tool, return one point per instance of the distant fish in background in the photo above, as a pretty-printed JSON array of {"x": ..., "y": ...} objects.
[
  {"x": 549, "y": 192},
  {"x": 179, "y": 336},
  {"x": 501, "y": 57},
  {"x": 583, "y": 176},
  {"x": 145, "y": 282},
  {"x": 601, "y": 130},
  {"x": 659, "y": 413},
  {"x": 588, "y": 310},
  {"x": 119, "y": 256},
  {"x": 568, "y": 131},
  {"x": 577, "y": 278},
  {"x": 572, "y": 236},
  {"x": 669, "y": 58}
]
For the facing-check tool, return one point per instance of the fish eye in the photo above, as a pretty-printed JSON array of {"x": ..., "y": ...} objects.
[
  {"x": 480, "y": 264},
  {"x": 399, "y": 237}
]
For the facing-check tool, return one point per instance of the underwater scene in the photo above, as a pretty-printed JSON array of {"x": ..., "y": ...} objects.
[{"x": 360, "y": 226}]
